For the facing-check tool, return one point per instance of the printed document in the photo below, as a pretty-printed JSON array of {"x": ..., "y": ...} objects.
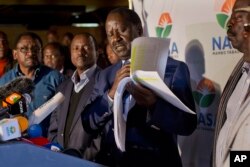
[{"x": 148, "y": 63}]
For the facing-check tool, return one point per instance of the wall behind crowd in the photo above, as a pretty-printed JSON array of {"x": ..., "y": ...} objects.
[
  {"x": 14, "y": 30},
  {"x": 197, "y": 29}
]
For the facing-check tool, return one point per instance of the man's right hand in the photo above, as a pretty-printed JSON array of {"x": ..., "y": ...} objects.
[{"x": 120, "y": 74}]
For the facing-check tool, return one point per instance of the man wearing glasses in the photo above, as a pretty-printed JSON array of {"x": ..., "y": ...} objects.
[{"x": 26, "y": 52}]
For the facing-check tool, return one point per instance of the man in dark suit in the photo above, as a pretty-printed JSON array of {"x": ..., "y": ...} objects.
[
  {"x": 152, "y": 124},
  {"x": 65, "y": 124}
]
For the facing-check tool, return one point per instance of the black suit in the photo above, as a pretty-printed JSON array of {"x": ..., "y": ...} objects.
[{"x": 78, "y": 138}]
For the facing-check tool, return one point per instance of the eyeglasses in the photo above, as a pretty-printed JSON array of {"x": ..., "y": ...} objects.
[
  {"x": 25, "y": 50},
  {"x": 247, "y": 27}
]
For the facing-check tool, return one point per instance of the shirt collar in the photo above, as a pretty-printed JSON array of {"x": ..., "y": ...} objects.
[
  {"x": 86, "y": 74},
  {"x": 20, "y": 73}
]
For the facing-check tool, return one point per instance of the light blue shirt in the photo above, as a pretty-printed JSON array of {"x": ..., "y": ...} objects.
[
  {"x": 84, "y": 78},
  {"x": 46, "y": 81}
]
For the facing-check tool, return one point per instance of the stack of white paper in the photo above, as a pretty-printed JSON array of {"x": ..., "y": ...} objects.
[{"x": 148, "y": 62}]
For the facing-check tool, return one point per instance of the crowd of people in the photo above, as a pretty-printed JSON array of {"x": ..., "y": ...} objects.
[{"x": 83, "y": 122}]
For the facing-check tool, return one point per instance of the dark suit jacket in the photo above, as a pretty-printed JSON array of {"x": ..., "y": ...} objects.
[
  {"x": 78, "y": 138},
  {"x": 145, "y": 144}
]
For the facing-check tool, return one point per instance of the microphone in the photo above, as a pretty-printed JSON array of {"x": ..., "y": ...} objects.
[
  {"x": 34, "y": 130},
  {"x": 15, "y": 96},
  {"x": 23, "y": 123},
  {"x": 15, "y": 104},
  {"x": 44, "y": 110},
  {"x": 34, "y": 136},
  {"x": 12, "y": 128},
  {"x": 54, "y": 147},
  {"x": 9, "y": 129},
  {"x": 20, "y": 85}
]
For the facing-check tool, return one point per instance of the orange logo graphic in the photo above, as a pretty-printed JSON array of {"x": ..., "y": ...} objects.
[
  {"x": 223, "y": 15},
  {"x": 164, "y": 25}
]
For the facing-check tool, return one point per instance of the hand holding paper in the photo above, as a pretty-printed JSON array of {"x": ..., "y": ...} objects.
[{"x": 148, "y": 64}]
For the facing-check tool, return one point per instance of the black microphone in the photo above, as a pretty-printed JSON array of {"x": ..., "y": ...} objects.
[
  {"x": 16, "y": 103},
  {"x": 20, "y": 85},
  {"x": 15, "y": 96}
]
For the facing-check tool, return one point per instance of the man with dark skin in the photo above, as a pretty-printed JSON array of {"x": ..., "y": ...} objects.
[
  {"x": 65, "y": 124},
  {"x": 6, "y": 59},
  {"x": 152, "y": 123},
  {"x": 112, "y": 57},
  {"x": 235, "y": 93}
]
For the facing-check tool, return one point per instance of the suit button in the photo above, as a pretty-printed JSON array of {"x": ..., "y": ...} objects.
[{"x": 62, "y": 134}]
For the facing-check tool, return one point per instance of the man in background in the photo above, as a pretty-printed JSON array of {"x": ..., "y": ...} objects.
[
  {"x": 6, "y": 59},
  {"x": 28, "y": 47},
  {"x": 54, "y": 57},
  {"x": 66, "y": 124}
]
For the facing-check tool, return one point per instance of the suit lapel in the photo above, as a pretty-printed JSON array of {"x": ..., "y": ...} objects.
[
  {"x": 65, "y": 108},
  {"x": 228, "y": 89},
  {"x": 83, "y": 101}
]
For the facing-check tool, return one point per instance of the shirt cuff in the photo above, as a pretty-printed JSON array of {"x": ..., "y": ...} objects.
[{"x": 110, "y": 102}]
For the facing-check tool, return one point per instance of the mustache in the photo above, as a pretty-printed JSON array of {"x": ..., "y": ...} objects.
[
  {"x": 230, "y": 32},
  {"x": 117, "y": 44},
  {"x": 84, "y": 55}
]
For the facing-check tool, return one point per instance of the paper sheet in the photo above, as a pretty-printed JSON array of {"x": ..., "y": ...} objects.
[
  {"x": 148, "y": 62},
  {"x": 152, "y": 80}
]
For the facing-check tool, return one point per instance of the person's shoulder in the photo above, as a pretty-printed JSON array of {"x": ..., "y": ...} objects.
[
  {"x": 49, "y": 72},
  {"x": 175, "y": 62},
  {"x": 113, "y": 67},
  {"x": 7, "y": 77}
]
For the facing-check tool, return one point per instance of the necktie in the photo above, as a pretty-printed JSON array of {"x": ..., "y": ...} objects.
[{"x": 128, "y": 101}]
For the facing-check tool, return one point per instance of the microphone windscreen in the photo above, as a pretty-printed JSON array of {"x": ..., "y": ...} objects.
[
  {"x": 35, "y": 130},
  {"x": 19, "y": 85},
  {"x": 23, "y": 123}
]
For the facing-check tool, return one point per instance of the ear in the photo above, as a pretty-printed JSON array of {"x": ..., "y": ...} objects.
[{"x": 14, "y": 53}]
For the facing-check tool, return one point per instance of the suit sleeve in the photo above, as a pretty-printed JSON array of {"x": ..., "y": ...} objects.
[
  {"x": 169, "y": 118},
  {"x": 53, "y": 128},
  {"x": 97, "y": 113}
]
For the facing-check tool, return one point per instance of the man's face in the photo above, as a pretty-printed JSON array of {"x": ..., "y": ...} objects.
[
  {"x": 26, "y": 52},
  {"x": 236, "y": 25},
  {"x": 4, "y": 47},
  {"x": 83, "y": 52},
  {"x": 52, "y": 57},
  {"x": 112, "y": 57},
  {"x": 120, "y": 33},
  {"x": 66, "y": 41}
]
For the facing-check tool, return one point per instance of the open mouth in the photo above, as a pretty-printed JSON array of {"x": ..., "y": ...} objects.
[{"x": 119, "y": 47}]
